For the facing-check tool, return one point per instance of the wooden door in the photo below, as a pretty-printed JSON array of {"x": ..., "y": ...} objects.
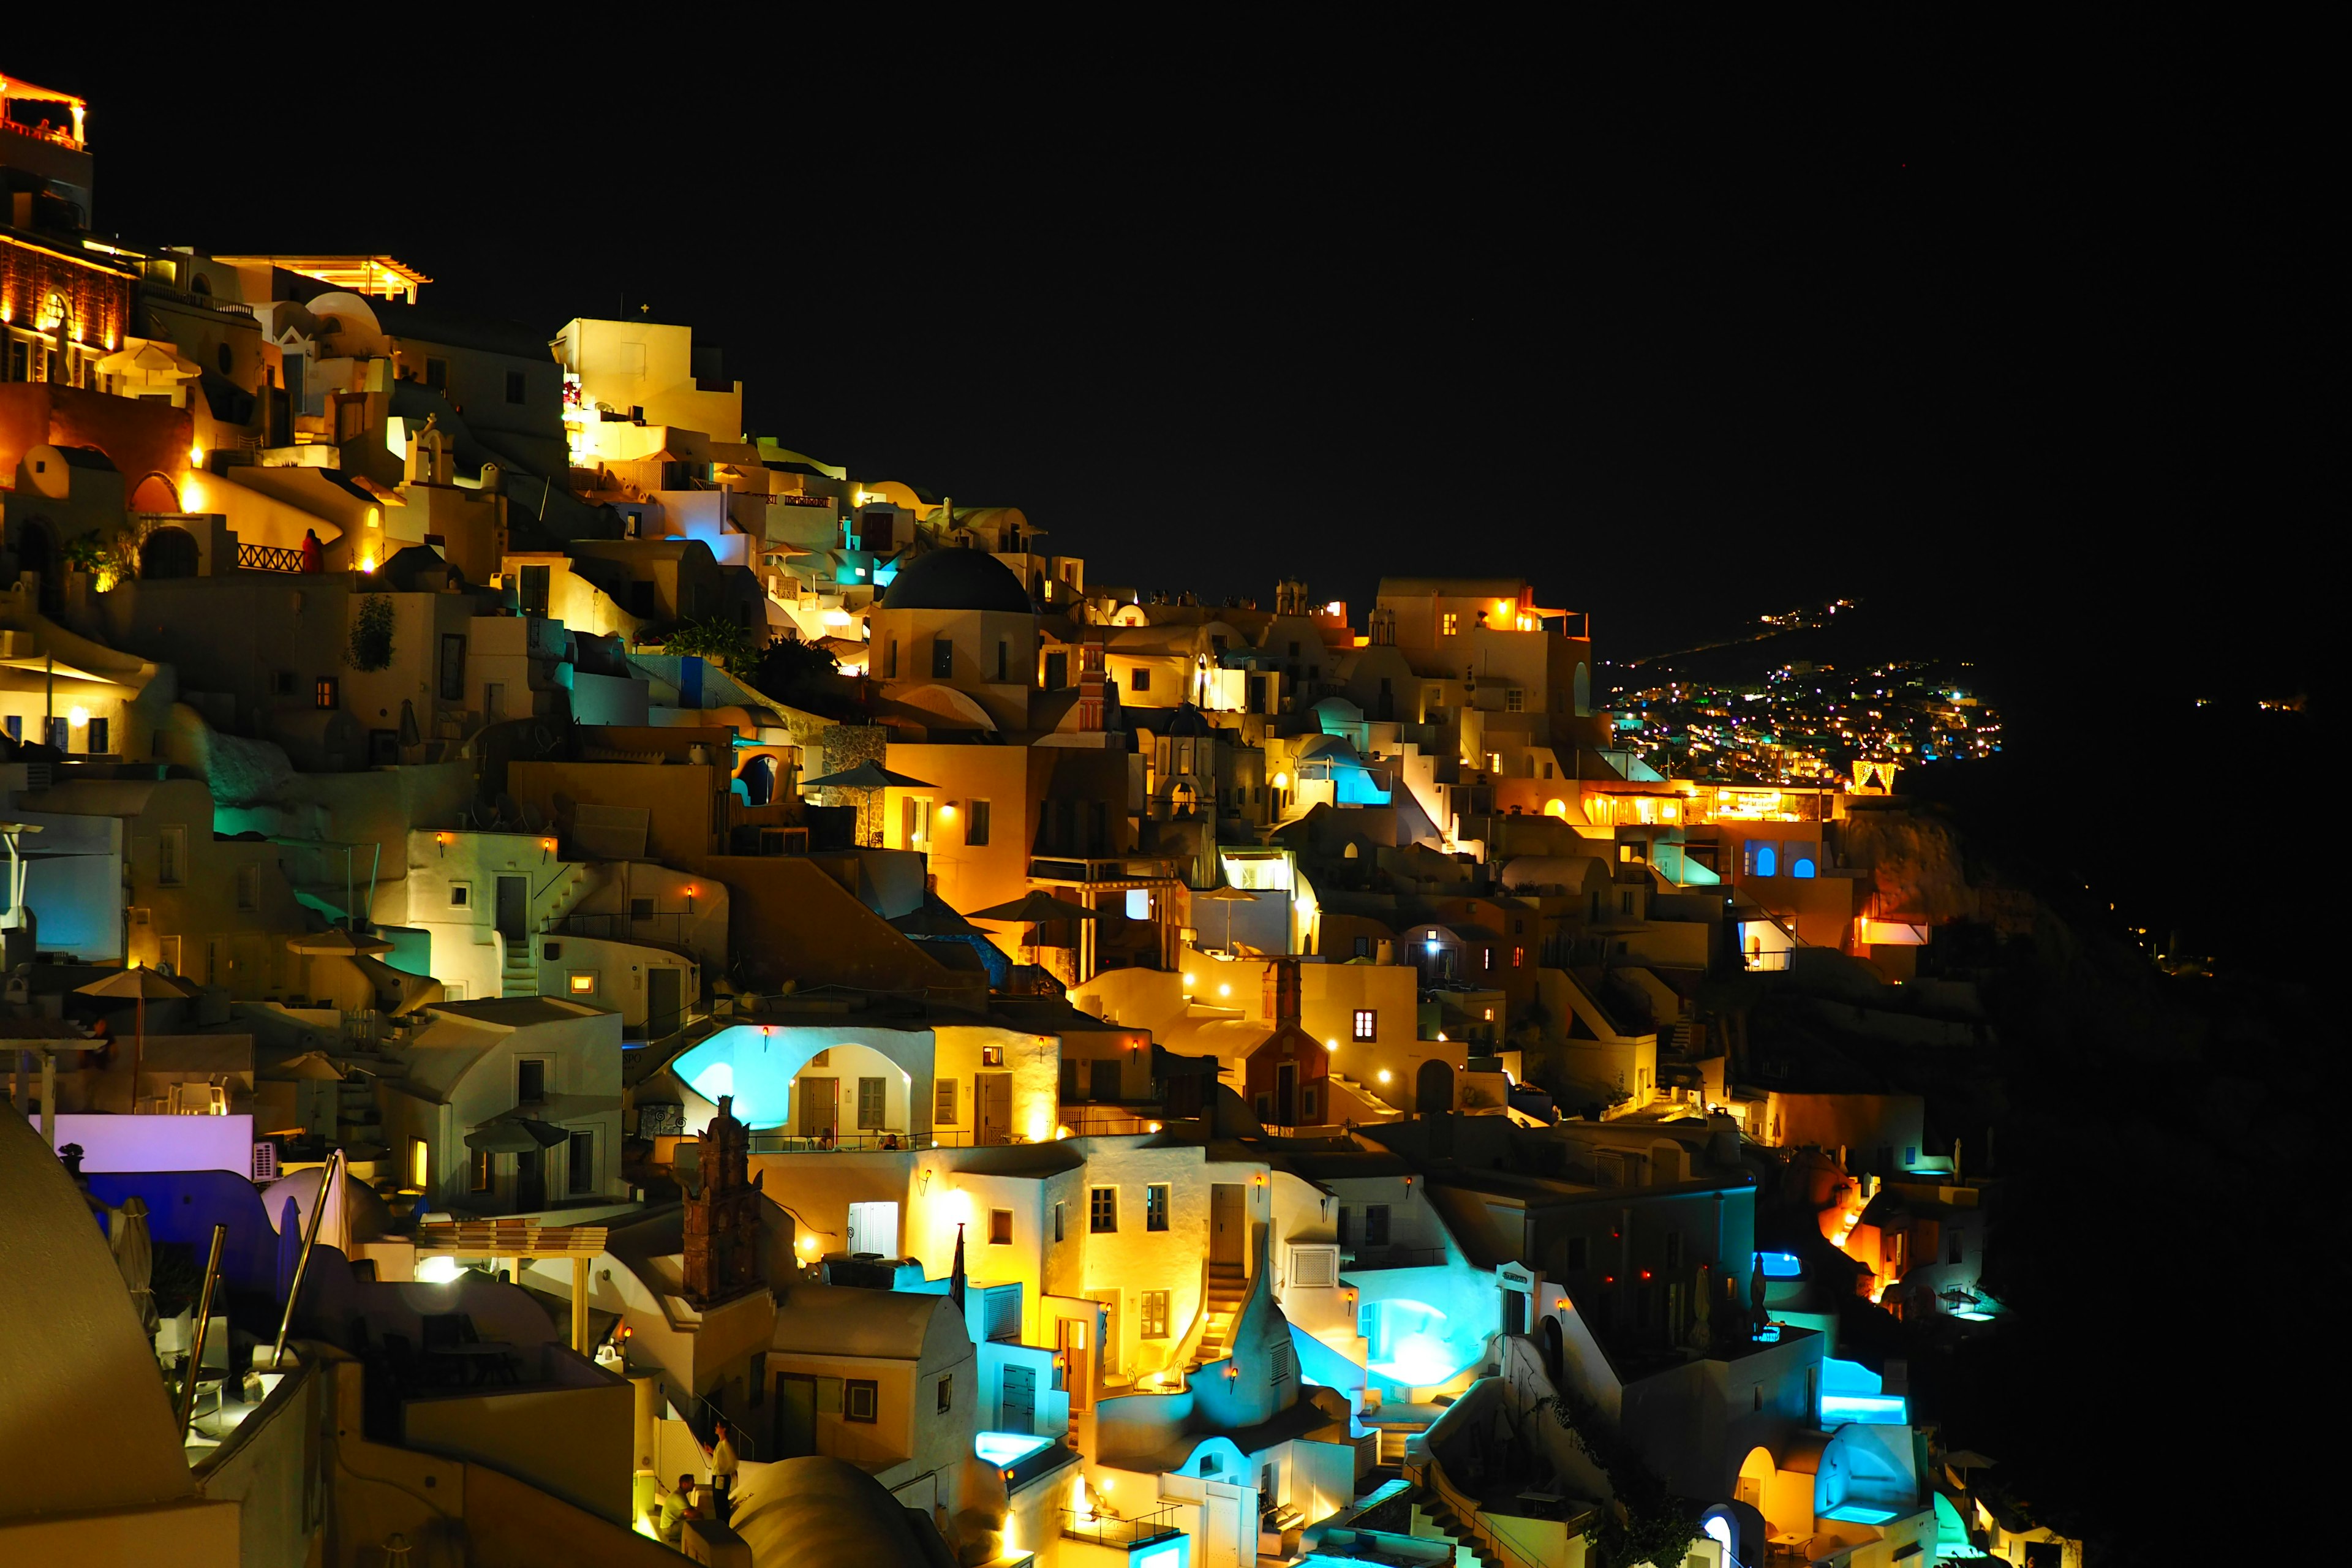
[
  {"x": 795, "y": 1427},
  {"x": 1285, "y": 1094},
  {"x": 1017, "y": 1400},
  {"x": 1075, "y": 1371},
  {"x": 995, "y": 1108},
  {"x": 1228, "y": 1223},
  {"x": 530, "y": 1180},
  {"x": 820, "y": 1105},
  {"x": 663, "y": 1009}
]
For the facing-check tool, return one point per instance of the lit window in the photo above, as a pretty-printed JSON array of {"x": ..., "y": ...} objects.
[
  {"x": 420, "y": 1162},
  {"x": 943, "y": 1103},
  {"x": 327, "y": 693},
  {"x": 1449, "y": 623},
  {"x": 992, "y": 1056},
  {"x": 1367, "y": 1024},
  {"x": 1155, "y": 1205},
  {"x": 1154, "y": 1313},
  {"x": 584, "y": 982}
]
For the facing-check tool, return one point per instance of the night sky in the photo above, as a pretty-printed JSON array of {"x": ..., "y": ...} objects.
[{"x": 2027, "y": 368}]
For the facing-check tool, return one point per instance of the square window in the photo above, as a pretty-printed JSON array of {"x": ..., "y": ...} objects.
[
  {"x": 1142, "y": 679},
  {"x": 1000, "y": 1227},
  {"x": 1155, "y": 1206},
  {"x": 1102, "y": 1210},
  {"x": 582, "y": 982},
  {"x": 1451, "y": 624},
  {"x": 1367, "y": 1024},
  {"x": 327, "y": 692},
  {"x": 461, "y": 894},
  {"x": 860, "y": 1400},
  {"x": 992, "y": 1056}
]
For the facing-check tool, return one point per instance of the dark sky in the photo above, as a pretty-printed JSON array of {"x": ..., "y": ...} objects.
[{"x": 2028, "y": 361}]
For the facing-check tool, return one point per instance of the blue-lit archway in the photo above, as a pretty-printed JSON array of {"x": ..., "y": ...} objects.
[{"x": 756, "y": 1064}]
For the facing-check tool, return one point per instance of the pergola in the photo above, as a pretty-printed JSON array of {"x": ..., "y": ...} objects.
[
  {"x": 523, "y": 1239},
  {"x": 46, "y": 1039}
]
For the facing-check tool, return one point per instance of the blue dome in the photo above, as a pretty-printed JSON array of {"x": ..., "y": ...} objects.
[{"x": 957, "y": 580}]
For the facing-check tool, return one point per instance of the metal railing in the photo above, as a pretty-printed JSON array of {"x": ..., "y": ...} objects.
[
  {"x": 1106, "y": 1530},
  {"x": 867, "y": 1140}
]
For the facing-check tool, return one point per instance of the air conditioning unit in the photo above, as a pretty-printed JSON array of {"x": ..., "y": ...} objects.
[{"x": 264, "y": 1163}]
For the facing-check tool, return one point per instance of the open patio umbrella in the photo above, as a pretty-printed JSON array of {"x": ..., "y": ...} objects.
[
  {"x": 139, "y": 983},
  {"x": 134, "y": 1254},
  {"x": 316, "y": 1066},
  {"x": 336, "y": 943},
  {"x": 514, "y": 1136},
  {"x": 867, "y": 774},
  {"x": 1034, "y": 906},
  {"x": 1229, "y": 897}
]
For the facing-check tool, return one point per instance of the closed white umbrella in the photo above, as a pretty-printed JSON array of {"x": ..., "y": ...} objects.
[{"x": 134, "y": 1254}]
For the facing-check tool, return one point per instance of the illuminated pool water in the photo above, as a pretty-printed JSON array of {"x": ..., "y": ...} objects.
[{"x": 1005, "y": 1449}]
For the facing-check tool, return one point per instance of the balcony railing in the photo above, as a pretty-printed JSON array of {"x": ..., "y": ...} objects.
[
  {"x": 269, "y": 558},
  {"x": 1108, "y": 869},
  {"x": 1101, "y": 1529},
  {"x": 867, "y": 1140}
]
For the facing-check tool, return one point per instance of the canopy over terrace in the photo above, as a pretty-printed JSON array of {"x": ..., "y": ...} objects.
[{"x": 520, "y": 1239}]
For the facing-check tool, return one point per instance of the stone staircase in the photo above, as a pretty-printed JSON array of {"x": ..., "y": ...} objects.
[
  {"x": 519, "y": 978},
  {"x": 1448, "y": 1524},
  {"x": 1228, "y": 1292}
]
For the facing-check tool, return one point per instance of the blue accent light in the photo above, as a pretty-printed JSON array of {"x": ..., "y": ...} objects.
[
  {"x": 1874, "y": 1409},
  {"x": 1767, "y": 860},
  {"x": 1801, "y": 867},
  {"x": 1781, "y": 1266},
  {"x": 1861, "y": 1513}
]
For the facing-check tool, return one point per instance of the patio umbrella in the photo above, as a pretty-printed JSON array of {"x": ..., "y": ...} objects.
[
  {"x": 313, "y": 1065},
  {"x": 1229, "y": 897},
  {"x": 867, "y": 774},
  {"x": 134, "y": 1254},
  {"x": 1034, "y": 906},
  {"x": 336, "y": 943},
  {"x": 514, "y": 1137},
  {"x": 139, "y": 983}
]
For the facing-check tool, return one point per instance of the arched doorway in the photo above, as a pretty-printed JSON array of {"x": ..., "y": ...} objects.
[
  {"x": 759, "y": 776},
  {"x": 157, "y": 492},
  {"x": 168, "y": 553},
  {"x": 1433, "y": 1088},
  {"x": 1555, "y": 1351}
]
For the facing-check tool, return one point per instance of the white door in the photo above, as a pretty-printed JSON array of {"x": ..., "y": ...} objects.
[
  {"x": 1223, "y": 1515},
  {"x": 874, "y": 1227}
]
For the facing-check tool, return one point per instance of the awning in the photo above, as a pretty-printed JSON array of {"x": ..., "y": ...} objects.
[{"x": 514, "y": 1137}]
